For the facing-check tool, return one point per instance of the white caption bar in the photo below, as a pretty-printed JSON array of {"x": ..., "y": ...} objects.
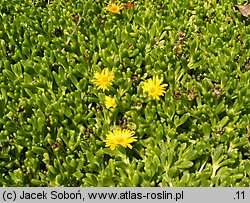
[{"x": 116, "y": 195}]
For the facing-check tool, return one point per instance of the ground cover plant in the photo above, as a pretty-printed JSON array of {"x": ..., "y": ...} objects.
[{"x": 124, "y": 93}]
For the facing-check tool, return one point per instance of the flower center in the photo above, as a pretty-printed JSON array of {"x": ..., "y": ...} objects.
[
  {"x": 114, "y": 8},
  {"x": 105, "y": 79},
  {"x": 153, "y": 90},
  {"x": 120, "y": 140}
]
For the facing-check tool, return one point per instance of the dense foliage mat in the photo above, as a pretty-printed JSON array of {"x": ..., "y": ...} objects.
[{"x": 58, "y": 118}]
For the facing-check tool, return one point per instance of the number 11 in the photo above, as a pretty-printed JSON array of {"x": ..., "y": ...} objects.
[{"x": 240, "y": 195}]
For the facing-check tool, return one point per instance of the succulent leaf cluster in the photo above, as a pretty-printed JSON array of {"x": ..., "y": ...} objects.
[{"x": 54, "y": 119}]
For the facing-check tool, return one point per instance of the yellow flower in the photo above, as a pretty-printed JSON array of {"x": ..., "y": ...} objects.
[
  {"x": 154, "y": 88},
  {"x": 104, "y": 79},
  {"x": 113, "y": 8},
  {"x": 229, "y": 129},
  {"x": 109, "y": 102},
  {"x": 122, "y": 137}
]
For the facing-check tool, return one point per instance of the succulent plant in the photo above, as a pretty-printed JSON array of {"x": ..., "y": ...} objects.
[{"x": 58, "y": 103}]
